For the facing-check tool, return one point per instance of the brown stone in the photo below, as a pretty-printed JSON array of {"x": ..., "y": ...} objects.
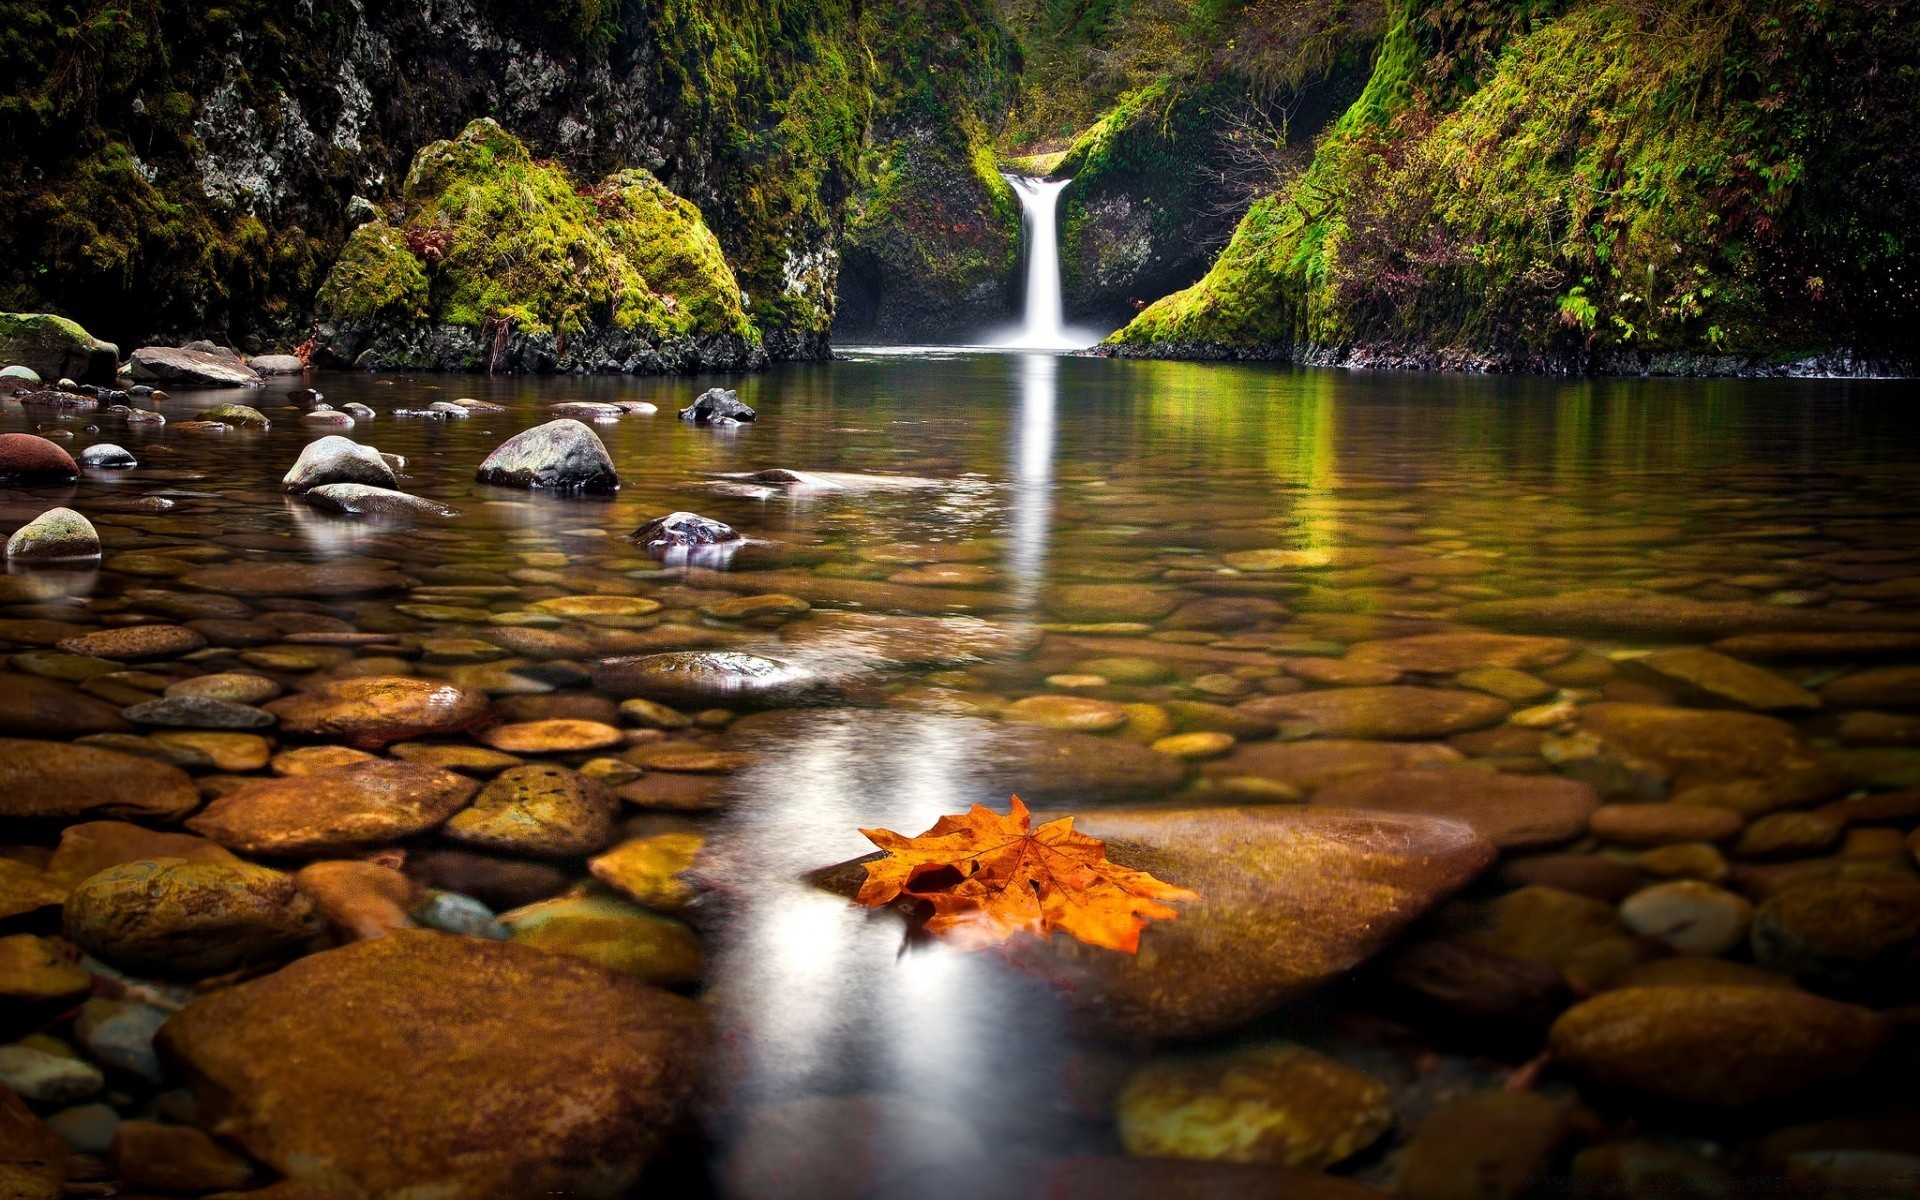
[
  {"x": 1310, "y": 765},
  {"x": 1664, "y": 824},
  {"x": 136, "y": 641},
  {"x": 36, "y": 970},
  {"x": 376, "y": 709},
  {"x": 358, "y": 899},
  {"x": 187, "y": 919},
  {"x": 34, "y": 1162},
  {"x": 1726, "y": 679},
  {"x": 675, "y": 792},
  {"x": 93, "y": 846},
  {"x": 312, "y": 760},
  {"x": 543, "y": 809},
  {"x": 514, "y": 1072},
  {"x": 552, "y": 736},
  {"x": 1757, "y": 762},
  {"x": 339, "y": 578},
  {"x": 1512, "y": 811},
  {"x": 1633, "y": 612},
  {"x": 1715, "y": 1046},
  {"x": 175, "y": 1158},
  {"x": 1876, "y": 687},
  {"x": 1291, "y": 898},
  {"x": 55, "y": 779},
  {"x": 1580, "y": 937},
  {"x": 1483, "y": 1146},
  {"x": 25, "y": 888},
  {"x": 40, "y": 707},
  {"x": 1448, "y": 653},
  {"x": 1077, "y": 713},
  {"x": 499, "y": 883},
  {"x": 1097, "y": 602},
  {"x": 310, "y": 815},
  {"x": 1818, "y": 647},
  {"x": 1398, "y": 713},
  {"x": 1593, "y": 875}
]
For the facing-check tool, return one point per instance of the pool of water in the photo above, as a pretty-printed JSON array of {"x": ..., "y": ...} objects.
[{"x": 1170, "y": 545}]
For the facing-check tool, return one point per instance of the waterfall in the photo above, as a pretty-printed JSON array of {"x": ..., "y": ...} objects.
[{"x": 1044, "y": 323}]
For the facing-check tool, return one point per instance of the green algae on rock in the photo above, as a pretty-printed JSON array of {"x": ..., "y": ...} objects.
[{"x": 498, "y": 258}]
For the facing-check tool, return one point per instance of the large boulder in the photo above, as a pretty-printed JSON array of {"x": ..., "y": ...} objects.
[
  {"x": 29, "y": 458},
  {"x": 422, "y": 1063},
  {"x": 55, "y": 348},
  {"x": 559, "y": 456},
  {"x": 191, "y": 368},
  {"x": 335, "y": 459}
]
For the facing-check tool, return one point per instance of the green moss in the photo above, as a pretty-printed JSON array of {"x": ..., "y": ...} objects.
[
  {"x": 376, "y": 278},
  {"x": 490, "y": 233}
]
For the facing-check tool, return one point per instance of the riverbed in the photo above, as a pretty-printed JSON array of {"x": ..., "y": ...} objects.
[{"x": 1544, "y": 753}]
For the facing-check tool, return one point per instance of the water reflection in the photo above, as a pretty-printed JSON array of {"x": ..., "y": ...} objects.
[{"x": 1031, "y": 488}]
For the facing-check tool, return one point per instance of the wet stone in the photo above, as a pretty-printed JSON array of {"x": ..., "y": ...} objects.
[
  {"x": 358, "y": 899},
  {"x": 1450, "y": 653},
  {"x": 375, "y": 710},
  {"x": 1664, "y": 824},
  {"x": 28, "y": 459},
  {"x": 340, "y": 578},
  {"x": 57, "y": 535},
  {"x": 186, "y": 919},
  {"x": 47, "y": 707},
  {"x": 90, "y": 847},
  {"x": 198, "y": 712},
  {"x": 363, "y": 500},
  {"x": 136, "y": 641},
  {"x": 652, "y": 870},
  {"x": 119, "y": 1034},
  {"x": 700, "y": 678},
  {"x": 1718, "y": 1047},
  {"x": 1728, "y": 679},
  {"x": 269, "y": 1058},
  {"x": 555, "y": 736},
  {"x": 1876, "y": 687},
  {"x": 880, "y": 640},
  {"x": 537, "y": 810},
  {"x": 1111, "y": 602},
  {"x": 1690, "y": 916},
  {"x": 1512, "y": 811},
  {"x": 233, "y": 687},
  {"x": 1075, "y": 713},
  {"x": 334, "y": 811},
  {"x": 1855, "y": 937},
  {"x": 309, "y": 760},
  {"x": 336, "y": 459},
  {"x": 455, "y": 756},
  {"x": 561, "y": 456},
  {"x": 1273, "y": 1103},
  {"x": 1391, "y": 712},
  {"x": 1483, "y": 1146},
  {"x": 175, "y": 1158},
  {"x": 37, "y": 971},
  {"x": 611, "y": 933},
  {"x": 53, "y": 779},
  {"x": 47, "y": 1078}
]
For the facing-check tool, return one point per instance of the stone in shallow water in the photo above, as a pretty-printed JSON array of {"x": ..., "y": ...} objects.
[
  {"x": 681, "y": 530},
  {"x": 1579, "y": 937},
  {"x": 90, "y": 847},
  {"x": 1448, "y": 653},
  {"x": 500, "y": 883},
  {"x": 343, "y": 578},
  {"x": 611, "y": 933},
  {"x": 652, "y": 870},
  {"x": 1512, "y": 811},
  {"x": 184, "y": 920},
  {"x": 879, "y": 641},
  {"x": 705, "y": 678},
  {"x": 1718, "y": 1047},
  {"x": 25, "y": 888},
  {"x": 198, "y": 712},
  {"x": 1817, "y": 647},
  {"x": 596, "y": 609},
  {"x": 57, "y": 535},
  {"x": 486, "y": 1106},
  {"x": 1394, "y": 712},
  {"x": 54, "y": 779},
  {"x": 717, "y": 406},
  {"x": 136, "y": 641},
  {"x": 235, "y": 687},
  {"x": 1876, "y": 687},
  {"x": 377, "y": 709},
  {"x": 175, "y": 1158},
  {"x": 541, "y": 810},
  {"x": 1112, "y": 602},
  {"x": 1664, "y": 824},
  {"x": 45, "y": 1077},
  {"x": 1274, "y": 1103},
  {"x": 26, "y": 458},
  {"x": 1727, "y": 679},
  {"x": 334, "y": 811},
  {"x": 1077, "y": 713},
  {"x": 119, "y": 1034},
  {"x": 1856, "y": 937},
  {"x": 1292, "y": 898},
  {"x": 1484, "y": 1146},
  {"x": 1753, "y": 762},
  {"x": 1635, "y": 613},
  {"x": 561, "y": 456},
  {"x": 554, "y": 736},
  {"x": 363, "y": 500},
  {"x": 1690, "y": 916},
  {"x": 34, "y": 1162},
  {"x": 35, "y": 970},
  {"x": 335, "y": 459},
  {"x": 358, "y": 899},
  {"x": 190, "y": 368},
  {"x": 32, "y": 705}
]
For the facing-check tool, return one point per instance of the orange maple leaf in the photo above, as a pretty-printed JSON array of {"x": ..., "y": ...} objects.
[{"x": 989, "y": 878}]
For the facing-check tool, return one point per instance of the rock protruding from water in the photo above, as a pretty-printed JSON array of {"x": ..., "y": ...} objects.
[
  {"x": 57, "y": 535},
  {"x": 29, "y": 458},
  {"x": 682, "y": 530},
  {"x": 1291, "y": 897},
  {"x": 55, "y": 347},
  {"x": 525, "y": 1072},
  {"x": 107, "y": 456},
  {"x": 360, "y": 500},
  {"x": 705, "y": 678},
  {"x": 335, "y": 459},
  {"x": 191, "y": 368},
  {"x": 559, "y": 456},
  {"x": 717, "y": 406},
  {"x": 277, "y": 364}
]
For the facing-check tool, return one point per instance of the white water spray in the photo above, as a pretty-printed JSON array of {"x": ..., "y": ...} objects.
[{"x": 1045, "y": 325}]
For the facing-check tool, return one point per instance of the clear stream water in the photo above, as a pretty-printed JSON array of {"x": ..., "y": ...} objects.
[{"x": 1049, "y": 471}]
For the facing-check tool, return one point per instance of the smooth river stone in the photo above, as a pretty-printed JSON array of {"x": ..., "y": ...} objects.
[
  {"x": 1392, "y": 712},
  {"x": 543, "y": 810},
  {"x": 1876, "y": 687},
  {"x": 335, "y": 811},
  {"x": 1818, "y": 647},
  {"x": 25, "y": 888},
  {"x": 1077, "y": 713},
  {"x": 994, "y": 759},
  {"x": 880, "y": 641},
  {"x": 362, "y": 500},
  {"x": 704, "y": 678},
  {"x": 344, "y": 578},
  {"x": 48, "y": 707},
  {"x": 556, "y": 736},
  {"x": 596, "y": 608},
  {"x": 1512, "y": 811},
  {"x": 1727, "y": 679},
  {"x": 1714, "y": 1046},
  {"x": 92, "y": 846},
  {"x": 1292, "y": 897},
  {"x": 55, "y": 779},
  {"x": 34, "y": 1161},
  {"x": 1635, "y": 613},
  {"x": 1448, "y": 653},
  {"x": 561, "y": 456},
  {"x": 1096, "y": 602},
  {"x": 1757, "y": 762},
  {"x": 376, "y": 709},
  {"x": 293, "y": 1063},
  {"x": 185, "y": 919},
  {"x": 198, "y": 712},
  {"x": 1306, "y": 766},
  {"x": 136, "y": 641}
]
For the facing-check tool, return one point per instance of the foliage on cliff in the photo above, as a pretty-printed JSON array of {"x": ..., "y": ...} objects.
[
  {"x": 488, "y": 233},
  {"x": 933, "y": 232},
  {"x": 1544, "y": 181}
]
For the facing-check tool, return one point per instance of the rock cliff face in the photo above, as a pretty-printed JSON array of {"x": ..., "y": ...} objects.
[{"x": 182, "y": 169}]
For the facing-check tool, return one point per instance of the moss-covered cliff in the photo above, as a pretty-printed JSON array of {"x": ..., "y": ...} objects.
[
  {"x": 1591, "y": 183},
  {"x": 493, "y": 259}
]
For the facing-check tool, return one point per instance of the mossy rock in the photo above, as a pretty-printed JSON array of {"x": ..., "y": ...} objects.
[{"x": 55, "y": 348}]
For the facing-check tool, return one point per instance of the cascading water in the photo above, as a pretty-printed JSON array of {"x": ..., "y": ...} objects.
[{"x": 1044, "y": 326}]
